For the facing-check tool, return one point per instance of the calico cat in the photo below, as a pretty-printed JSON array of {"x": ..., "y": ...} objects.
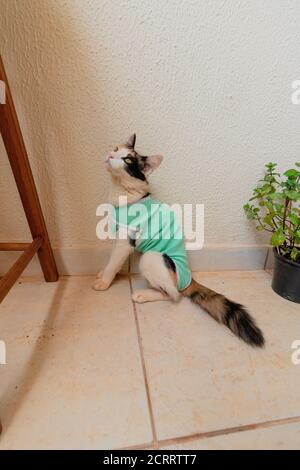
[{"x": 163, "y": 262}]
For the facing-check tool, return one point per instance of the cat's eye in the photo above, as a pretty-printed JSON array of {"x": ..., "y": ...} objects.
[{"x": 127, "y": 160}]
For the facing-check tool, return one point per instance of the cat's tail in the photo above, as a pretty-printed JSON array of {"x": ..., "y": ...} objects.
[{"x": 224, "y": 311}]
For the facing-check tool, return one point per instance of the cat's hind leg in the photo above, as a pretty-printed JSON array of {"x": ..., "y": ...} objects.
[
  {"x": 160, "y": 272},
  {"x": 149, "y": 295}
]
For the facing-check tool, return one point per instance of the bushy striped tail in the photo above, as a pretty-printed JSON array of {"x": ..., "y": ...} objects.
[{"x": 224, "y": 311}]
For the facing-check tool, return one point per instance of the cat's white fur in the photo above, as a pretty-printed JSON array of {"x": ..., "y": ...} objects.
[
  {"x": 153, "y": 269},
  {"x": 152, "y": 265},
  {"x": 124, "y": 186}
]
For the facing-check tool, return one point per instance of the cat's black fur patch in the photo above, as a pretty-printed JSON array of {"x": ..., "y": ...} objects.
[
  {"x": 132, "y": 141},
  {"x": 132, "y": 242},
  {"x": 134, "y": 167},
  {"x": 242, "y": 324},
  {"x": 169, "y": 262}
]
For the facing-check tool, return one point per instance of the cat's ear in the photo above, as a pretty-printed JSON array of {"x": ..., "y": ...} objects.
[
  {"x": 131, "y": 141},
  {"x": 151, "y": 163}
]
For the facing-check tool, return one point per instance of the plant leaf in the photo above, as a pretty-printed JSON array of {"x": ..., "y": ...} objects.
[
  {"x": 271, "y": 166},
  {"x": 276, "y": 196},
  {"x": 297, "y": 236},
  {"x": 278, "y": 238},
  {"x": 293, "y": 195},
  {"x": 294, "y": 219},
  {"x": 294, "y": 254},
  {"x": 292, "y": 173},
  {"x": 268, "y": 219}
]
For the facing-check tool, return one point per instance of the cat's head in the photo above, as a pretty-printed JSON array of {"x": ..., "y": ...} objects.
[{"x": 124, "y": 160}]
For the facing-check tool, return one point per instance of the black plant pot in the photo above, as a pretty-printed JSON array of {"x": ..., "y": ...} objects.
[{"x": 286, "y": 278}]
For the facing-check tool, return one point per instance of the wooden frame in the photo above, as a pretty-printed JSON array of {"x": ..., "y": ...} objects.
[
  {"x": 18, "y": 158},
  {"x": 16, "y": 151}
]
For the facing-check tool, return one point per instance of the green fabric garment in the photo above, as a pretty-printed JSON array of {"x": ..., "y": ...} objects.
[{"x": 154, "y": 227}]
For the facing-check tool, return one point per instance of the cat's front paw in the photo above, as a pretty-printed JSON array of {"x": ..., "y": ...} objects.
[{"x": 100, "y": 284}]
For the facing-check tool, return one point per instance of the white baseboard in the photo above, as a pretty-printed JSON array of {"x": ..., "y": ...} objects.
[{"x": 88, "y": 260}]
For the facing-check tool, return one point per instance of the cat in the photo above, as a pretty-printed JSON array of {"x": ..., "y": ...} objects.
[{"x": 163, "y": 262}]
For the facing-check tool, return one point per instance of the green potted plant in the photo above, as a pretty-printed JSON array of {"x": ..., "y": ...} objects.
[{"x": 275, "y": 207}]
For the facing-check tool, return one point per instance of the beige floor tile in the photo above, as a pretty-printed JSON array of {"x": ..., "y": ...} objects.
[
  {"x": 202, "y": 378},
  {"x": 282, "y": 437},
  {"x": 74, "y": 376}
]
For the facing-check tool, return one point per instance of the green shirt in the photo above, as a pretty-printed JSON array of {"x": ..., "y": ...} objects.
[{"x": 154, "y": 227}]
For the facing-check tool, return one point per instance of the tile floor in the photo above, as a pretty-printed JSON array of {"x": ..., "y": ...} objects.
[{"x": 92, "y": 370}]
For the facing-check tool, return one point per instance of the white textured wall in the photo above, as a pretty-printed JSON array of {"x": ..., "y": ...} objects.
[{"x": 206, "y": 83}]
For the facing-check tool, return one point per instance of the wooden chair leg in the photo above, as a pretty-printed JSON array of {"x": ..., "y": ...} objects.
[
  {"x": 16, "y": 151},
  {"x": 16, "y": 270}
]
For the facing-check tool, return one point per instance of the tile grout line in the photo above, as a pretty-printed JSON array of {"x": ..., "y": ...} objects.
[
  {"x": 232, "y": 430},
  {"x": 222, "y": 432},
  {"x": 138, "y": 330},
  {"x": 146, "y": 445}
]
